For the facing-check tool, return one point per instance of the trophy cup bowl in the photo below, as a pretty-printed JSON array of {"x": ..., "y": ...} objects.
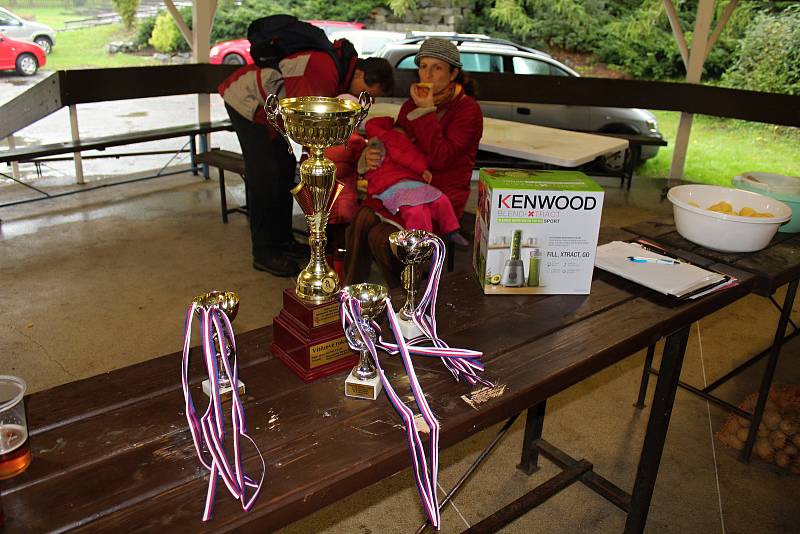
[
  {"x": 363, "y": 381},
  {"x": 228, "y": 302},
  {"x": 412, "y": 249},
  {"x": 318, "y": 123}
]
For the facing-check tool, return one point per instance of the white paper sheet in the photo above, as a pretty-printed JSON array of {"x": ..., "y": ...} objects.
[{"x": 676, "y": 279}]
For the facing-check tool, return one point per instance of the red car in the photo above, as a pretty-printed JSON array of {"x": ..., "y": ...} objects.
[
  {"x": 22, "y": 56},
  {"x": 237, "y": 52}
]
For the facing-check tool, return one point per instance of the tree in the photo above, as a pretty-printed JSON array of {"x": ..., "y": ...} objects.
[{"x": 126, "y": 9}]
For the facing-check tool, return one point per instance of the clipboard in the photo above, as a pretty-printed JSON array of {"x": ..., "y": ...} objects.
[{"x": 681, "y": 280}]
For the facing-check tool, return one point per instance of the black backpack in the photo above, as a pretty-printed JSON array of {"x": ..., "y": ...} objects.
[{"x": 277, "y": 36}]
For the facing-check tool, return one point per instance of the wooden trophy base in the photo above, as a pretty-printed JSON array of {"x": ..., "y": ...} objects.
[{"x": 309, "y": 339}]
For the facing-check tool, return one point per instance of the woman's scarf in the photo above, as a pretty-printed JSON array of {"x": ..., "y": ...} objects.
[{"x": 448, "y": 94}]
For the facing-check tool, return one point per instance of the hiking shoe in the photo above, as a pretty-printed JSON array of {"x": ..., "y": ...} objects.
[{"x": 277, "y": 265}]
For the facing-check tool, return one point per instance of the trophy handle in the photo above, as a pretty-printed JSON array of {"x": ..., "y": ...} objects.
[{"x": 272, "y": 110}]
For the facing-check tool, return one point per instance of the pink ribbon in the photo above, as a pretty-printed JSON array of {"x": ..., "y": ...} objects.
[
  {"x": 208, "y": 431},
  {"x": 425, "y": 473},
  {"x": 460, "y": 362}
]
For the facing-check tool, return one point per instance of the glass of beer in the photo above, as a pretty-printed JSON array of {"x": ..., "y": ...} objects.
[{"x": 15, "y": 453}]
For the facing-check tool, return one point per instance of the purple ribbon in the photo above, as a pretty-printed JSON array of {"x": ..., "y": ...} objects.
[
  {"x": 425, "y": 473},
  {"x": 208, "y": 431},
  {"x": 460, "y": 362}
]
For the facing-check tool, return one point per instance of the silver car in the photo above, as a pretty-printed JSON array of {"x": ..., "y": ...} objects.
[
  {"x": 481, "y": 53},
  {"x": 25, "y": 30}
]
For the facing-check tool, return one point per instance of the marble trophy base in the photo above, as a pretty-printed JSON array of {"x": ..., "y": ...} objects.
[
  {"x": 224, "y": 393},
  {"x": 363, "y": 389},
  {"x": 309, "y": 338},
  {"x": 408, "y": 328}
]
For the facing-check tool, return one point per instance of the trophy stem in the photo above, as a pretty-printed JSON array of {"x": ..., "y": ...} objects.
[
  {"x": 365, "y": 369},
  {"x": 409, "y": 281},
  {"x": 222, "y": 375},
  {"x": 318, "y": 282}
]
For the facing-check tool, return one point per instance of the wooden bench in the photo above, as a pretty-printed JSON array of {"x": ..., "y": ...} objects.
[
  {"x": 225, "y": 160},
  {"x": 35, "y": 152}
]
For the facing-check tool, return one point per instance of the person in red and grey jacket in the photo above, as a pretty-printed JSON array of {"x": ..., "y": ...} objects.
[
  {"x": 447, "y": 124},
  {"x": 269, "y": 166}
]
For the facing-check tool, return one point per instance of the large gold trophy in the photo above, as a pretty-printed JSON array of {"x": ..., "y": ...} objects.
[{"x": 308, "y": 336}]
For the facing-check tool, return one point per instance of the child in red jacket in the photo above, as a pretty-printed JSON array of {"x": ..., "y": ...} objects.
[{"x": 402, "y": 182}]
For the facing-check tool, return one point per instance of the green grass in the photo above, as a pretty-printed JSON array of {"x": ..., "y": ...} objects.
[
  {"x": 81, "y": 49},
  {"x": 719, "y": 149},
  {"x": 54, "y": 17},
  {"x": 84, "y": 48}
]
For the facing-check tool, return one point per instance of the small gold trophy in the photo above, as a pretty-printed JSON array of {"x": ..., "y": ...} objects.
[
  {"x": 308, "y": 337},
  {"x": 363, "y": 381},
  {"x": 410, "y": 247},
  {"x": 228, "y": 302}
]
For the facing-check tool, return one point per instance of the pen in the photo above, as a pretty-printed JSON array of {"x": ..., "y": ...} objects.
[{"x": 663, "y": 261}]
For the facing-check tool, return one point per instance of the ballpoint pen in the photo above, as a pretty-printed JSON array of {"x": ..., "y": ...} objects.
[{"x": 663, "y": 261}]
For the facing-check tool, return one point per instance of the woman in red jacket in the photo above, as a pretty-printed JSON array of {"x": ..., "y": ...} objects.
[{"x": 447, "y": 124}]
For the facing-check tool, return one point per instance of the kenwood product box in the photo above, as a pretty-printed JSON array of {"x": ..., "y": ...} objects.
[{"x": 536, "y": 231}]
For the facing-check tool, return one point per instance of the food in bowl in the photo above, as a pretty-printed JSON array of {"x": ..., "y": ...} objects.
[
  {"x": 726, "y": 207},
  {"x": 726, "y": 231}
]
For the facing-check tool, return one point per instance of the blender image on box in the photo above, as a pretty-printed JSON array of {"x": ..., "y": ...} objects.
[
  {"x": 514, "y": 272},
  {"x": 536, "y": 231}
]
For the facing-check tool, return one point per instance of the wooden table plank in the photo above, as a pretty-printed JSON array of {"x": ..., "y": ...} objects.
[{"x": 549, "y": 344}]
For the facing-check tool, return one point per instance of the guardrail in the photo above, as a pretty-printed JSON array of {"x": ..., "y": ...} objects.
[{"x": 69, "y": 88}]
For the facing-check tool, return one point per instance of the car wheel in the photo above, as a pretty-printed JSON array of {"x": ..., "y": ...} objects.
[
  {"x": 45, "y": 43},
  {"x": 233, "y": 59},
  {"x": 27, "y": 64}
]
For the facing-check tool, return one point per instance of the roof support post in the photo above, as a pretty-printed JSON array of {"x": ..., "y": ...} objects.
[{"x": 694, "y": 71}]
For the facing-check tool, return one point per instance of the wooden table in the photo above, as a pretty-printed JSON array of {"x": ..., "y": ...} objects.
[
  {"x": 776, "y": 265},
  {"x": 113, "y": 452},
  {"x": 551, "y": 146}
]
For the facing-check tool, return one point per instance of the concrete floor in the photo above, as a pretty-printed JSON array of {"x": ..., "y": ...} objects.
[{"x": 98, "y": 281}]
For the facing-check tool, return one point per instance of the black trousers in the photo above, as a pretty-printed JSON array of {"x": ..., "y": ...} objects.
[{"x": 270, "y": 171}]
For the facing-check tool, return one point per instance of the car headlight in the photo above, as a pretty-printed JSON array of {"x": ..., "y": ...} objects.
[
  {"x": 652, "y": 125},
  {"x": 214, "y": 51}
]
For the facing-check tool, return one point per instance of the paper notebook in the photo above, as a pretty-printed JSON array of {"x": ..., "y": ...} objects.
[{"x": 677, "y": 279}]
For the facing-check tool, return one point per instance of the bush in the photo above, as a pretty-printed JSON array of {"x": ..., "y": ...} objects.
[
  {"x": 126, "y": 9},
  {"x": 143, "y": 32},
  {"x": 769, "y": 55},
  {"x": 166, "y": 36}
]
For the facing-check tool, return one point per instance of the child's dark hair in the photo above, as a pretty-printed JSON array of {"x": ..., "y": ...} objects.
[{"x": 377, "y": 70}]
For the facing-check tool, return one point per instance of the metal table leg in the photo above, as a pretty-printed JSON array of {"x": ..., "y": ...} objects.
[
  {"x": 769, "y": 373},
  {"x": 534, "y": 423},
  {"x": 648, "y": 364},
  {"x": 657, "y": 425}
]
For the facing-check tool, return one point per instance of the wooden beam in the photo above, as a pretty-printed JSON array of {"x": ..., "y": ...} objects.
[
  {"x": 723, "y": 20},
  {"x": 705, "y": 12},
  {"x": 33, "y": 104},
  {"x": 675, "y": 22},
  {"x": 176, "y": 15}
]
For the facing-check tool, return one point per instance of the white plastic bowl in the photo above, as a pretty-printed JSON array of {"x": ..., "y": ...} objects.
[{"x": 719, "y": 231}]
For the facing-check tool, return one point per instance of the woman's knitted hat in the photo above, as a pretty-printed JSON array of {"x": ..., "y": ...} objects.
[{"x": 439, "y": 48}]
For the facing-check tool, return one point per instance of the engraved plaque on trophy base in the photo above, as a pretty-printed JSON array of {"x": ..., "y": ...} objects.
[
  {"x": 309, "y": 339},
  {"x": 362, "y": 389}
]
